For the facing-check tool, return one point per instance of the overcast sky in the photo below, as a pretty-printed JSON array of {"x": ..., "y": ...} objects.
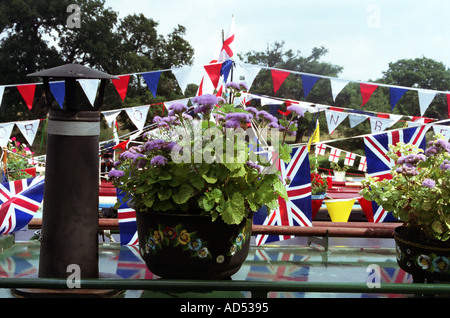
[{"x": 362, "y": 36}]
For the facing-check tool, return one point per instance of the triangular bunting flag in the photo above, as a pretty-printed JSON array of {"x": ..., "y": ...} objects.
[
  {"x": 138, "y": 115},
  {"x": 308, "y": 82},
  {"x": 334, "y": 119},
  {"x": 443, "y": 130},
  {"x": 366, "y": 92},
  {"x": 250, "y": 71},
  {"x": 425, "y": 99},
  {"x": 278, "y": 78},
  {"x": 337, "y": 85},
  {"x": 29, "y": 129},
  {"x": 2, "y": 90},
  {"x": 152, "y": 80},
  {"x": 121, "y": 85},
  {"x": 356, "y": 119},
  {"x": 378, "y": 124},
  {"x": 27, "y": 92},
  {"x": 90, "y": 87},
  {"x": 225, "y": 69},
  {"x": 5, "y": 133},
  {"x": 395, "y": 95},
  {"x": 182, "y": 75},
  {"x": 448, "y": 104},
  {"x": 58, "y": 90},
  {"x": 213, "y": 71},
  {"x": 110, "y": 116}
]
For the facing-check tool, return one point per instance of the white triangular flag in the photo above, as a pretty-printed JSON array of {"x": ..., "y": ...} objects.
[
  {"x": 356, "y": 119},
  {"x": 334, "y": 119},
  {"x": 378, "y": 124},
  {"x": 5, "y": 133},
  {"x": 443, "y": 130},
  {"x": 2, "y": 90},
  {"x": 250, "y": 71},
  {"x": 182, "y": 75},
  {"x": 29, "y": 129},
  {"x": 138, "y": 115},
  {"x": 337, "y": 85},
  {"x": 110, "y": 116},
  {"x": 90, "y": 87},
  {"x": 425, "y": 99}
]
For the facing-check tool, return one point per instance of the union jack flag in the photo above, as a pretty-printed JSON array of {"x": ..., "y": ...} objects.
[
  {"x": 19, "y": 200},
  {"x": 131, "y": 265},
  {"x": 380, "y": 165},
  {"x": 280, "y": 266},
  {"x": 127, "y": 222},
  {"x": 297, "y": 209}
]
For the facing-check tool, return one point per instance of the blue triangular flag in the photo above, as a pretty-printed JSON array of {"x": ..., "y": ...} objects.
[
  {"x": 58, "y": 90},
  {"x": 152, "y": 79},
  {"x": 225, "y": 70},
  {"x": 308, "y": 83},
  {"x": 396, "y": 94}
]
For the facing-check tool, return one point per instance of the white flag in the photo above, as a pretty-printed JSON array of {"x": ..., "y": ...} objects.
[
  {"x": 138, "y": 115},
  {"x": 5, "y": 133},
  {"x": 349, "y": 159},
  {"x": 90, "y": 87},
  {"x": 334, "y": 119},
  {"x": 29, "y": 129},
  {"x": 110, "y": 116},
  {"x": 182, "y": 76},
  {"x": 425, "y": 99},
  {"x": 337, "y": 85},
  {"x": 334, "y": 155}
]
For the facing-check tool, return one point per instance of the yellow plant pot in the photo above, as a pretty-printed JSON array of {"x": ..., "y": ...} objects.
[{"x": 339, "y": 209}]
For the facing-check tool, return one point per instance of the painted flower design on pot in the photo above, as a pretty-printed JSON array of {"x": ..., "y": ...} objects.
[{"x": 175, "y": 237}]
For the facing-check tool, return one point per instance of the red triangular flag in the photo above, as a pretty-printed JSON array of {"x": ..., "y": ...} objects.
[
  {"x": 278, "y": 79},
  {"x": 367, "y": 91},
  {"x": 121, "y": 85},
  {"x": 200, "y": 88},
  {"x": 213, "y": 71},
  {"x": 27, "y": 92},
  {"x": 448, "y": 104}
]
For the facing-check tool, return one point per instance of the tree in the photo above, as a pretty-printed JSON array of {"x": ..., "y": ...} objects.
[{"x": 36, "y": 36}]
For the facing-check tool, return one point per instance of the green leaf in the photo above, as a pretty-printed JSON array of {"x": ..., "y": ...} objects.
[
  {"x": 184, "y": 193},
  {"x": 164, "y": 195},
  {"x": 209, "y": 179},
  {"x": 234, "y": 210}
]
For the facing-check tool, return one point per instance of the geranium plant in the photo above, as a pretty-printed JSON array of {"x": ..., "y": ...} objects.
[
  {"x": 19, "y": 158},
  {"x": 319, "y": 183},
  {"x": 204, "y": 160},
  {"x": 419, "y": 191}
]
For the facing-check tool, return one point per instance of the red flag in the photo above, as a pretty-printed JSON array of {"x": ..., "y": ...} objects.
[
  {"x": 121, "y": 85},
  {"x": 213, "y": 71},
  {"x": 27, "y": 92},
  {"x": 448, "y": 104},
  {"x": 122, "y": 145},
  {"x": 367, "y": 91},
  {"x": 278, "y": 79}
]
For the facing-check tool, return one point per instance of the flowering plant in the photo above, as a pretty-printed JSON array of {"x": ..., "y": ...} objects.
[
  {"x": 203, "y": 160},
  {"x": 319, "y": 183},
  {"x": 19, "y": 158},
  {"x": 419, "y": 191}
]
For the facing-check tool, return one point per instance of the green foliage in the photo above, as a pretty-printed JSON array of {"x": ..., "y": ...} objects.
[
  {"x": 419, "y": 191},
  {"x": 183, "y": 168}
]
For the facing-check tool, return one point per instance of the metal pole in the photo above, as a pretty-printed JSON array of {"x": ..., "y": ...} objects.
[{"x": 70, "y": 213}]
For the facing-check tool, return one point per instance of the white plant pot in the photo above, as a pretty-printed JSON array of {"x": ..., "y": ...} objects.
[{"x": 339, "y": 175}]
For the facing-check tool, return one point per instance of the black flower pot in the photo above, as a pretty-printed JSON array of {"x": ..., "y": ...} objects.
[
  {"x": 191, "y": 246},
  {"x": 421, "y": 257}
]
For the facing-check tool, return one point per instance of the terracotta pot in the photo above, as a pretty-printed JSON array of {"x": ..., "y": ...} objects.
[
  {"x": 421, "y": 257},
  {"x": 191, "y": 246}
]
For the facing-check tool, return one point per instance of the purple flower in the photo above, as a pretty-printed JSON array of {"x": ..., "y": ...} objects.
[
  {"x": 252, "y": 110},
  {"x": 232, "y": 85},
  {"x": 157, "y": 119},
  {"x": 296, "y": 109},
  {"x": 155, "y": 144},
  {"x": 254, "y": 166},
  {"x": 445, "y": 165},
  {"x": 243, "y": 86},
  {"x": 205, "y": 100},
  {"x": 177, "y": 108},
  {"x": 428, "y": 183},
  {"x": 127, "y": 155},
  {"x": 158, "y": 161},
  {"x": 203, "y": 109},
  {"x": 232, "y": 123},
  {"x": 242, "y": 117},
  {"x": 263, "y": 115},
  {"x": 116, "y": 173}
]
